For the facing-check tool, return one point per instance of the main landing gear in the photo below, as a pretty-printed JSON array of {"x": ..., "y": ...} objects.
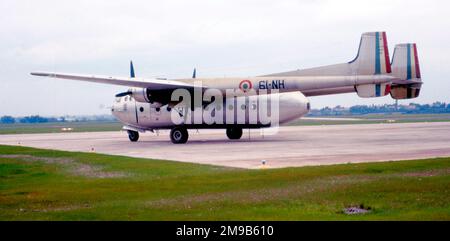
[
  {"x": 133, "y": 135},
  {"x": 234, "y": 133},
  {"x": 179, "y": 135}
]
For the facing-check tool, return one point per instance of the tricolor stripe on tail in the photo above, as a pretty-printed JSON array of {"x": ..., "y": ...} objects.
[{"x": 382, "y": 59}]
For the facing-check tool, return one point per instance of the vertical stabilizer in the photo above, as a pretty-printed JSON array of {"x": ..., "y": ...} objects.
[
  {"x": 405, "y": 66},
  {"x": 373, "y": 55},
  {"x": 405, "y": 62}
]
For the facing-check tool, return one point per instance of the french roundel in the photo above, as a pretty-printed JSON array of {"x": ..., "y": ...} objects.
[{"x": 245, "y": 85}]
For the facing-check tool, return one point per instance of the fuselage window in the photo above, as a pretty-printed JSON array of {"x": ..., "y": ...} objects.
[{"x": 141, "y": 109}]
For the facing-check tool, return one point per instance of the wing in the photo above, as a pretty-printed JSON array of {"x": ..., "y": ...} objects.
[{"x": 154, "y": 84}]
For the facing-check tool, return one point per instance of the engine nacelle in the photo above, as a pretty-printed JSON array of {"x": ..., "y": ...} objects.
[
  {"x": 144, "y": 95},
  {"x": 141, "y": 95}
]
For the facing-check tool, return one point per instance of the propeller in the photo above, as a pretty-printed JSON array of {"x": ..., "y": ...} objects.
[
  {"x": 194, "y": 74},
  {"x": 124, "y": 94}
]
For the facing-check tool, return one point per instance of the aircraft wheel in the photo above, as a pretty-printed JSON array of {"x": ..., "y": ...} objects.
[
  {"x": 234, "y": 133},
  {"x": 179, "y": 135},
  {"x": 133, "y": 135}
]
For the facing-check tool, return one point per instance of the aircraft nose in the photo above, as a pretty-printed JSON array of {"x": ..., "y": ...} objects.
[{"x": 114, "y": 110}]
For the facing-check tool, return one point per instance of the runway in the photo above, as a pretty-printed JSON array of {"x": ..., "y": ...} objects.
[{"x": 292, "y": 146}]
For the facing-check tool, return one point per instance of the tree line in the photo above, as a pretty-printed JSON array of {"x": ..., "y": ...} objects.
[
  {"x": 412, "y": 108},
  {"x": 7, "y": 119}
]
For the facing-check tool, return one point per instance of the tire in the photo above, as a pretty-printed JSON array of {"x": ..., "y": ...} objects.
[
  {"x": 179, "y": 135},
  {"x": 133, "y": 135},
  {"x": 234, "y": 133}
]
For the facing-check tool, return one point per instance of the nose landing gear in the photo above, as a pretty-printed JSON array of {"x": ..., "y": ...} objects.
[{"x": 133, "y": 135}]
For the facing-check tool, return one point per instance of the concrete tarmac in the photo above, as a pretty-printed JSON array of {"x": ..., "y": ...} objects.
[{"x": 292, "y": 146}]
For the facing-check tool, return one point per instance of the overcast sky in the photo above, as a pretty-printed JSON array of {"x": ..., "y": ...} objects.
[{"x": 221, "y": 38}]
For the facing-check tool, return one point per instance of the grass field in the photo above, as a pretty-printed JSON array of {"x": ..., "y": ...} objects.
[
  {"x": 56, "y": 127},
  {"x": 40, "y": 184}
]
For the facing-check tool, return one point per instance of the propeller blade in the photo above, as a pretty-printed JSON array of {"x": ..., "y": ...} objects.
[
  {"x": 124, "y": 94},
  {"x": 132, "y": 70},
  {"x": 194, "y": 74}
]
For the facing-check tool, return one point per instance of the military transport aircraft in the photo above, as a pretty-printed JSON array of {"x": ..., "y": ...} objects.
[{"x": 150, "y": 103}]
